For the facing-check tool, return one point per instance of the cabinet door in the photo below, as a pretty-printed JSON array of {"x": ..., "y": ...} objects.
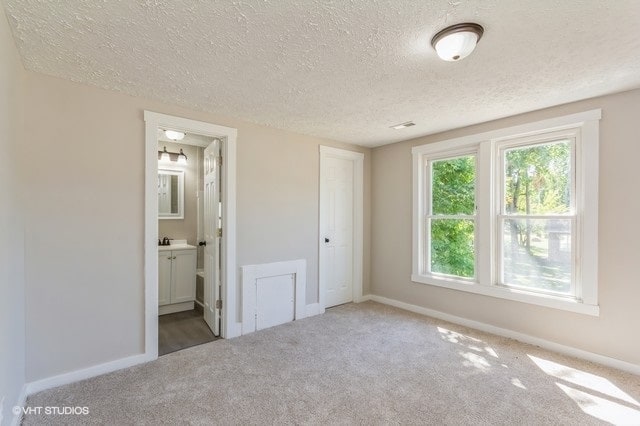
[
  {"x": 183, "y": 274},
  {"x": 164, "y": 278}
]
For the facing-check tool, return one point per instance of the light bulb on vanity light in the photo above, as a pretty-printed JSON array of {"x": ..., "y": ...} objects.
[
  {"x": 165, "y": 155},
  {"x": 182, "y": 158}
]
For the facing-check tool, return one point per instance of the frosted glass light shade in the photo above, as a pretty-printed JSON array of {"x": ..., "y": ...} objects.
[
  {"x": 457, "y": 42},
  {"x": 173, "y": 135},
  {"x": 182, "y": 158},
  {"x": 165, "y": 155}
]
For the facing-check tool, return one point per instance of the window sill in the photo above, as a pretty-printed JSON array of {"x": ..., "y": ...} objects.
[{"x": 512, "y": 294}]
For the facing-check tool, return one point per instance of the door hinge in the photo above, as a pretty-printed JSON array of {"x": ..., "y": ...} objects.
[
  {"x": 219, "y": 232},
  {"x": 219, "y": 304},
  {"x": 220, "y": 161}
]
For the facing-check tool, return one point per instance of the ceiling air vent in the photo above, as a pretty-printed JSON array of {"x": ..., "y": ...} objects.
[{"x": 403, "y": 125}]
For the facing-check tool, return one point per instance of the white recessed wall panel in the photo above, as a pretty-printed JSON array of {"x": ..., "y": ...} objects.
[
  {"x": 275, "y": 300},
  {"x": 272, "y": 294}
]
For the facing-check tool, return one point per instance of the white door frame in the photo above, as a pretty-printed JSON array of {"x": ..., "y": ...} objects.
[
  {"x": 358, "y": 220},
  {"x": 230, "y": 326}
]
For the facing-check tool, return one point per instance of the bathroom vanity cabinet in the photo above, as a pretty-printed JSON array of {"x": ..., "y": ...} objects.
[{"x": 176, "y": 278}]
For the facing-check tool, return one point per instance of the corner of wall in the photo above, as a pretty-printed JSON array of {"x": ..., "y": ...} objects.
[{"x": 12, "y": 276}]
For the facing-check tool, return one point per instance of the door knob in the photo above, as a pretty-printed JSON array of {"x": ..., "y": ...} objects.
[
  {"x": 202, "y": 243},
  {"x": 326, "y": 240}
]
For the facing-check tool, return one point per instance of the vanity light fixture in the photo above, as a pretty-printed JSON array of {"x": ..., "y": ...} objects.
[
  {"x": 166, "y": 156},
  {"x": 457, "y": 41},
  {"x": 173, "y": 135}
]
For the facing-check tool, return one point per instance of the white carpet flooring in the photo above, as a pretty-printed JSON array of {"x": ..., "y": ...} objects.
[{"x": 357, "y": 364}]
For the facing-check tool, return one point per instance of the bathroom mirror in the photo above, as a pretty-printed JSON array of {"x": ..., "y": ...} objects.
[{"x": 170, "y": 194}]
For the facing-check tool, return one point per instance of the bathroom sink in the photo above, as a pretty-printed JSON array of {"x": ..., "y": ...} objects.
[{"x": 176, "y": 245}]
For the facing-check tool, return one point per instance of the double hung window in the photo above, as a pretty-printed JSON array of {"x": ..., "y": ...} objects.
[
  {"x": 537, "y": 217},
  {"x": 512, "y": 213},
  {"x": 451, "y": 220}
]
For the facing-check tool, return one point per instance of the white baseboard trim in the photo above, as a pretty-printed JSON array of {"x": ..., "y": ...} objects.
[
  {"x": 176, "y": 307},
  {"x": 521, "y": 337},
  {"x": 363, "y": 298},
  {"x": 314, "y": 309},
  {"x": 22, "y": 401},
  {"x": 86, "y": 373},
  {"x": 237, "y": 331},
  {"x": 97, "y": 370}
]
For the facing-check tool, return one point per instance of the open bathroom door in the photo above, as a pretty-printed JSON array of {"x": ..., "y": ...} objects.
[{"x": 212, "y": 236}]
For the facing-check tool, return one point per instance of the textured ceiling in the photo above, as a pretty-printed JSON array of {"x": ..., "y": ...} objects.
[{"x": 342, "y": 69}]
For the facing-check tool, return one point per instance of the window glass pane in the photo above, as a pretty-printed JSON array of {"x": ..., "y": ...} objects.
[
  {"x": 537, "y": 254},
  {"x": 453, "y": 186},
  {"x": 538, "y": 179},
  {"x": 452, "y": 247}
]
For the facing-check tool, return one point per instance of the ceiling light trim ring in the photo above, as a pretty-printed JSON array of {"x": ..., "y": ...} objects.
[{"x": 458, "y": 28}]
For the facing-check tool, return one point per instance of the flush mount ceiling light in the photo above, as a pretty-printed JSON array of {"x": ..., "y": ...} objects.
[
  {"x": 457, "y": 41},
  {"x": 173, "y": 135},
  {"x": 403, "y": 125}
]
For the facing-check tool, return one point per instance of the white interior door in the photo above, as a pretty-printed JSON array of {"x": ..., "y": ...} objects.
[
  {"x": 336, "y": 229},
  {"x": 212, "y": 235}
]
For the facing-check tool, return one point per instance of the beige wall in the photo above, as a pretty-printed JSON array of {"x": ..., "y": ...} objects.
[
  {"x": 614, "y": 332},
  {"x": 12, "y": 302},
  {"x": 187, "y": 228},
  {"x": 85, "y": 213},
  {"x": 84, "y": 220}
]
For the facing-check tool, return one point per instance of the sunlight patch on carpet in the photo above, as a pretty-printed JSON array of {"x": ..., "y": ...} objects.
[
  {"x": 601, "y": 408},
  {"x": 582, "y": 378},
  {"x": 616, "y": 410}
]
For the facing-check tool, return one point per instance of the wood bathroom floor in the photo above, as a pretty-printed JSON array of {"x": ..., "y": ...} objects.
[{"x": 182, "y": 330}]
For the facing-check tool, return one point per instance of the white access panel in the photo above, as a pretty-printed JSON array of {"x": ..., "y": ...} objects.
[
  {"x": 275, "y": 297},
  {"x": 273, "y": 293}
]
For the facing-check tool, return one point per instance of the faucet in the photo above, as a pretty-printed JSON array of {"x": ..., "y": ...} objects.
[{"x": 165, "y": 241}]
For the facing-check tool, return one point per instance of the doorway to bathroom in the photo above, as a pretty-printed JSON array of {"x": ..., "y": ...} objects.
[
  {"x": 190, "y": 195},
  {"x": 189, "y": 239}
]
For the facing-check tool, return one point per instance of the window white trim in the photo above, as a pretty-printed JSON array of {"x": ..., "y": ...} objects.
[
  {"x": 529, "y": 129},
  {"x": 541, "y": 299},
  {"x": 486, "y": 145}
]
